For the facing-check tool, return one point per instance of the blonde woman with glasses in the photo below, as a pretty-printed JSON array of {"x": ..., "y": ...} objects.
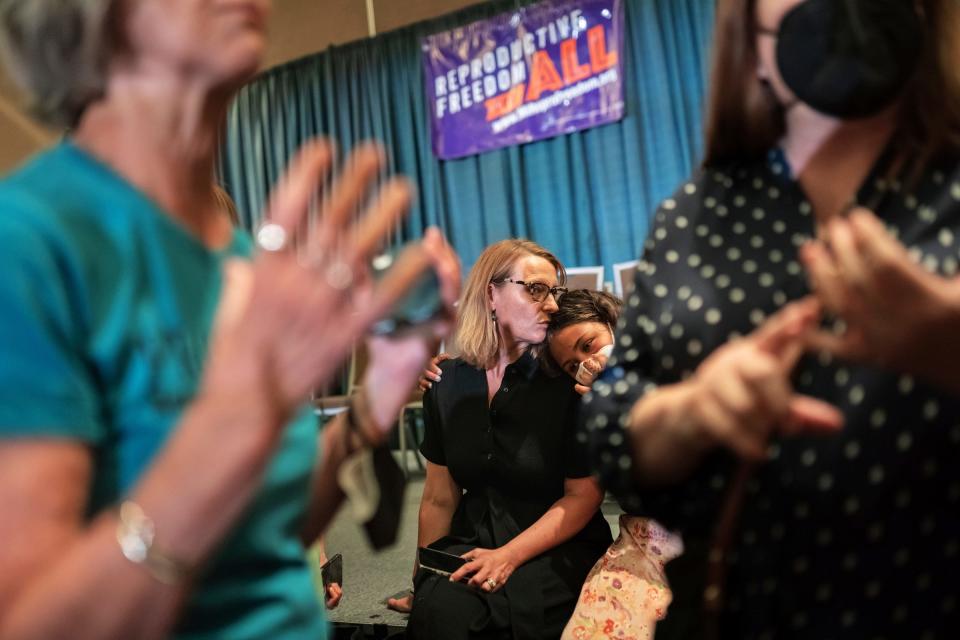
[{"x": 507, "y": 488}]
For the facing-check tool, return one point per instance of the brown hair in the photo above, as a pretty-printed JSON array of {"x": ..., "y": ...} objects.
[
  {"x": 576, "y": 306},
  {"x": 226, "y": 204},
  {"x": 585, "y": 305},
  {"x": 476, "y": 335},
  {"x": 744, "y": 120}
]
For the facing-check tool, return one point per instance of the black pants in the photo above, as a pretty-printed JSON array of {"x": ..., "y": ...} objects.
[{"x": 455, "y": 611}]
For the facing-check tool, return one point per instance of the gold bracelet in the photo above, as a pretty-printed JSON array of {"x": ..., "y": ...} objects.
[{"x": 135, "y": 534}]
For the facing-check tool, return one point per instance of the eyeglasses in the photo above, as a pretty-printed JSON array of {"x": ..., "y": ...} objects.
[{"x": 538, "y": 291}]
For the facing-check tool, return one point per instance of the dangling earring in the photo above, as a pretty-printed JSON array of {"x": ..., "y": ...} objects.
[{"x": 493, "y": 316}]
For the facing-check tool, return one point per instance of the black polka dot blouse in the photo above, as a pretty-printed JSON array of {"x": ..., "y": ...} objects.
[{"x": 855, "y": 535}]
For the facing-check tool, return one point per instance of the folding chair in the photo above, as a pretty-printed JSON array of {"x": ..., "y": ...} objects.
[{"x": 585, "y": 278}]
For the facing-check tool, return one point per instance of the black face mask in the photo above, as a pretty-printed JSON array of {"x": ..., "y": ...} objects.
[{"x": 849, "y": 58}]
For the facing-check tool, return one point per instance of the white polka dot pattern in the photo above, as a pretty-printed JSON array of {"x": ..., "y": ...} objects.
[{"x": 841, "y": 517}]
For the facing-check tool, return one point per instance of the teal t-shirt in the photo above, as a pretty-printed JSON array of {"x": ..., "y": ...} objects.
[{"x": 106, "y": 306}]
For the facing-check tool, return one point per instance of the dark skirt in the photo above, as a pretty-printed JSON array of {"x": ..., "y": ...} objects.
[{"x": 534, "y": 604}]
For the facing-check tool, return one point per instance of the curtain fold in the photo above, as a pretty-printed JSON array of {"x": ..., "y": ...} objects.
[{"x": 588, "y": 196}]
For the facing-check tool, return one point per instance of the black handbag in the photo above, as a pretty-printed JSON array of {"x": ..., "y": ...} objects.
[
  {"x": 375, "y": 485},
  {"x": 384, "y": 524}
]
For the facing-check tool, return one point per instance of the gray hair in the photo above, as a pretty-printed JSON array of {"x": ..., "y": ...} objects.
[{"x": 57, "y": 51}]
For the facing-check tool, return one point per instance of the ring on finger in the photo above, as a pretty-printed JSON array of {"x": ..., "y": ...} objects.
[
  {"x": 339, "y": 275},
  {"x": 271, "y": 237},
  {"x": 490, "y": 582}
]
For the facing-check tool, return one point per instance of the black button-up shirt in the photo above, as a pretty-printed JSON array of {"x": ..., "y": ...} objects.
[
  {"x": 523, "y": 446},
  {"x": 511, "y": 460}
]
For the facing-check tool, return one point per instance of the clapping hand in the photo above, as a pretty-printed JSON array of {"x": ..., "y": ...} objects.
[
  {"x": 288, "y": 318},
  {"x": 742, "y": 391},
  {"x": 895, "y": 314}
]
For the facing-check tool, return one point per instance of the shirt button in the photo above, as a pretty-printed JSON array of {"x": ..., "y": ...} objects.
[
  {"x": 505, "y": 389},
  {"x": 489, "y": 457}
]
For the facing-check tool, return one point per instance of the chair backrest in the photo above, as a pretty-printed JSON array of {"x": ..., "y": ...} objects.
[
  {"x": 351, "y": 373},
  {"x": 358, "y": 365},
  {"x": 623, "y": 277},
  {"x": 585, "y": 278}
]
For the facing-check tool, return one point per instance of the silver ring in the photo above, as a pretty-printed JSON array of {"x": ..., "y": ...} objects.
[
  {"x": 339, "y": 275},
  {"x": 271, "y": 237}
]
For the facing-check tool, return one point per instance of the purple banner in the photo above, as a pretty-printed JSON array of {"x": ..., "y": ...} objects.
[{"x": 537, "y": 72}]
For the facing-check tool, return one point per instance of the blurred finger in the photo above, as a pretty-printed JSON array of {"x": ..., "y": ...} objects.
[
  {"x": 446, "y": 263},
  {"x": 768, "y": 382},
  {"x": 755, "y": 395},
  {"x": 888, "y": 260},
  {"x": 823, "y": 276},
  {"x": 848, "y": 259},
  {"x": 724, "y": 429},
  {"x": 349, "y": 191},
  {"x": 790, "y": 354},
  {"x": 778, "y": 335},
  {"x": 406, "y": 269},
  {"x": 581, "y": 389},
  {"x": 807, "y": 414},
  {"x": 734, "y": 397},
  {"x": 873, "y": 239},
  {"x": 849, "y": 346},
  {"x": 290, "y": 201},
  {"x": 390, "y": 205}
]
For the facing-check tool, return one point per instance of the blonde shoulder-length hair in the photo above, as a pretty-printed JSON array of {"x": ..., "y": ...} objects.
[{"x": 476, "y": 337}]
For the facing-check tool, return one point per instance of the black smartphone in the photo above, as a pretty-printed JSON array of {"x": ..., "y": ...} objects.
[
  {"x": 438, "y": 561},
  {"x": 421, "y": 304},
  {"x": 331, "y": 571}
]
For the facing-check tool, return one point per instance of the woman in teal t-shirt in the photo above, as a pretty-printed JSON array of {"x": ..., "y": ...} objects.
[{"x": 158, "y": 472}]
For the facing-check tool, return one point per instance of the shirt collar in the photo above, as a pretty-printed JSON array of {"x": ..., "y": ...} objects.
[{"x": 526, "y": 364}]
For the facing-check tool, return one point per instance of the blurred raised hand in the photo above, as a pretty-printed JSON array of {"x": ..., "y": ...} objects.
[
  {"x": 736, "y": 398},
  {"x": 288, "y": 318},
  {"x": 895, "y": 314}
]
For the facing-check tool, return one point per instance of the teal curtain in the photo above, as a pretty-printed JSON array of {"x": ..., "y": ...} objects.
[{"x": 587, "y": 196}]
